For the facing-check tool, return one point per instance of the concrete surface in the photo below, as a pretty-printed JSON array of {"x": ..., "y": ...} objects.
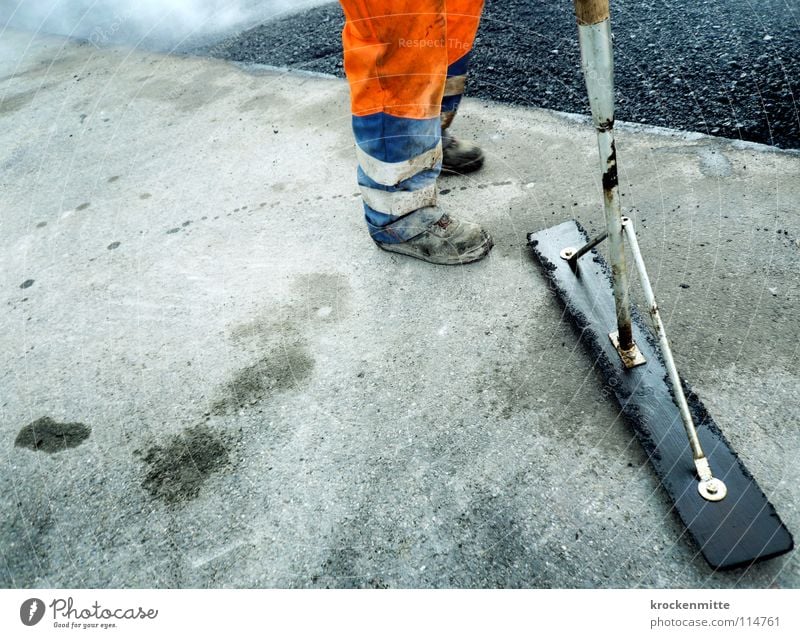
[{"x": 248, "y": 393}]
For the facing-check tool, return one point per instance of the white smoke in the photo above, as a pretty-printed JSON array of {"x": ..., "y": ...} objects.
[{"x": 167, "y": 22}]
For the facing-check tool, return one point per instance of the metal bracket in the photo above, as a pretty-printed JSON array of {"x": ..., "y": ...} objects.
[
  {"x": 568, "y": 253},
  {"x": 572, "y": 254},
  {"x": 631, "y": 357},
  {"x": 710, "y": 488}
]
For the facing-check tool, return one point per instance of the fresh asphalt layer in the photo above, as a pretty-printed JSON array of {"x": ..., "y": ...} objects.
[
  {"x": 213, "y": 378},
  {"x": 729, "y": 68}
]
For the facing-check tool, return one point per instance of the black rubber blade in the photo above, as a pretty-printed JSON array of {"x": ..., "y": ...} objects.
[{"x": 735, "y": 532}]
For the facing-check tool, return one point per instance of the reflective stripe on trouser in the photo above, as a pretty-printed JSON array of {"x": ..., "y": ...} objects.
[{"x": 396, "y": 58}]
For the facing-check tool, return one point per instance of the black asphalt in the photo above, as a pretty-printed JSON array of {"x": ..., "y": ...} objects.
[{"x": 724, "y": 67}]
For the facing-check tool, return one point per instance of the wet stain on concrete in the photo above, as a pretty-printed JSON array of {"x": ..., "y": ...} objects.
[
  {"x": 259, "y": 102},
  {"x": 52, "y": 69},
  {"x": 283, "y": 368},
  {"x": 181, "y": 465},
  {"x": 47, "y": 435},
  {"x": 27, "y": 283},
  {"x": 263, "y": 101},
  {"x": 493, "y": 543},
  {"x": 15, "y": 157},
  {"x": 279, "y": 333},
  {"x": 352, "y": 563},
  {"x": 714, "y": 163},
  {"x": 198, "y": 92},
  {"x": 12, "y": 103},
  {"x": 27, "y": 527},
  {"x": 319, "y": 298}
]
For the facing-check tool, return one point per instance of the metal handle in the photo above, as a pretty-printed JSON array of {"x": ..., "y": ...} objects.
[
  {"x": 591, "y": 11},
  {"x": 594, "y": 34}
]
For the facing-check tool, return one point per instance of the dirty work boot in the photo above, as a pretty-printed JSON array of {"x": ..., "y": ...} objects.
[
  {"x": 449, "y": 242},
  {"x": 459, "y": 157}
]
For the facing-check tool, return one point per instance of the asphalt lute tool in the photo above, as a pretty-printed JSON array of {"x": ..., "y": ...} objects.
[{"x": 718, "y": 500}]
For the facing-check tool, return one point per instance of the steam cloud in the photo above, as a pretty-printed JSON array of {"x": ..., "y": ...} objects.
[{"x": 168, "y": 22}]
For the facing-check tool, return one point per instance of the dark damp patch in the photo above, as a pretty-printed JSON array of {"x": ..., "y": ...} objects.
[
  {"x": 46, "y": 435},
  {"x": 12, "y": 103},
  {"x": 113, "y": 245},
  {"x": 27, "y": 283},
  {"x": 282, "y": 369},
  {"x": 179, "y": 467}
]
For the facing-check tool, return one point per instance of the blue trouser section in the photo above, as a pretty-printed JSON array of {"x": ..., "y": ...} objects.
[
  {"x": 397, "y": 140},
  {"x": 460, "y": 66}
]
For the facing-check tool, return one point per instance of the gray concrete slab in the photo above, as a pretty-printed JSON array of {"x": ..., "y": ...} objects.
[{"x": 271, "y": 401}]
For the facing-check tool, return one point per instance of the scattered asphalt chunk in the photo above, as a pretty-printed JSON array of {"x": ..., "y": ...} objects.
[
  {"x": 27, "y": 283},
  {"x": 113, "y": 245}
]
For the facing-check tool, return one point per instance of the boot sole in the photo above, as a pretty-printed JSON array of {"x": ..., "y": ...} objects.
[{"x": 477, "y": 253}]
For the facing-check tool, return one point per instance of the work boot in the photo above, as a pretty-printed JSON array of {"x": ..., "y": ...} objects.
[
  {"x": 459, "y": 157},
  {"x": 449, "y": 242}
]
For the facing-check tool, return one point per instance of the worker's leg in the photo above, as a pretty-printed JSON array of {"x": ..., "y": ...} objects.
[
  {"x": 462, "y": 19},
  {"x": 395, "y": 57},
  {"x": 459, "y": 156}
]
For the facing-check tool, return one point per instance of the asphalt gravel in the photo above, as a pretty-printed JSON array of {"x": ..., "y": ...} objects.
[{"x": 723, "y": 67}]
